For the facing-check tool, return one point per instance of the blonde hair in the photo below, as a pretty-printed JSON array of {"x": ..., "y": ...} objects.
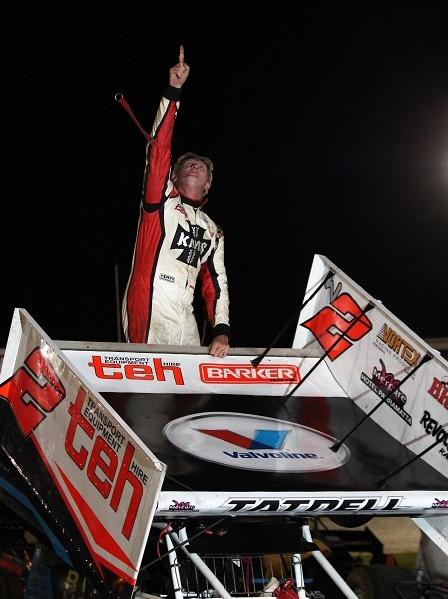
[{"x": 191, "y": 155}]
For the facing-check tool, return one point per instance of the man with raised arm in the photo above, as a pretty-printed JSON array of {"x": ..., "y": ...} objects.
[{"x": 176, "y": 242}]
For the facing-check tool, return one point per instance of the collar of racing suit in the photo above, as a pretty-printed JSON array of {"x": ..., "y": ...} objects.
[{"x": 194, "y": 203}]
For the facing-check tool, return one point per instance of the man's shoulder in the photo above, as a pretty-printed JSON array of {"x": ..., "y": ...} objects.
[{"x": 212, "y": 224}]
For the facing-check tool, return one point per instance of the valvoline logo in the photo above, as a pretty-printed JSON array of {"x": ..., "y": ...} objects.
[
  {"x": 263, "y": 439},
  {"x": 254, "y": 442}
]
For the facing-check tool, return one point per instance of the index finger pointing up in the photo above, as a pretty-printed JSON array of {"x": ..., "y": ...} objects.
[{"x": 181, "y": 55}]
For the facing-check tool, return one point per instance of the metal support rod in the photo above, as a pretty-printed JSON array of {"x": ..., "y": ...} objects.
[
  {"x": 329, "y": 569},
  {"x": 382, "y": 482},
  {"x": 337, "y": 445},
  {"x": 201, "y": 566},
  {"x": 298, "y": 572},
  {"x": 256, "y": 361},
  {"x": 117, "y": 303},
  {"x": 175, "y": 570},
  {"x": 368, "y": 307}
]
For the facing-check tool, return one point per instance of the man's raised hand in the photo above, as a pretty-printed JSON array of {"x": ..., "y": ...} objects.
[{"x": 179, "y": 72}]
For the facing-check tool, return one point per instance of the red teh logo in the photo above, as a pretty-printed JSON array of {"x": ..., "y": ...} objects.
[
  {"x": 33, "y": 392},
  {"x": 104, "y": 469},
  {"x": 35, "y": 389},
  {"x": 333, "y": 330},
  {"x": 142, "y": 372}
]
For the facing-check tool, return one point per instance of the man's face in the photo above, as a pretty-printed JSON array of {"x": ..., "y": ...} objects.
[{"x": 193, "y": 171}]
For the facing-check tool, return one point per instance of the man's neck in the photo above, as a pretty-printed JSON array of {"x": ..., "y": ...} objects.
[{"x": 190, "y": 192}]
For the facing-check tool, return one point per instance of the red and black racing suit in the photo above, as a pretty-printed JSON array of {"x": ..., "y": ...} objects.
[{"x": 176, "y": 241}]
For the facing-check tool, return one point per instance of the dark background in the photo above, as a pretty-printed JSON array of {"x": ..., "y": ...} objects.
[{"x": 328, "y": 129}]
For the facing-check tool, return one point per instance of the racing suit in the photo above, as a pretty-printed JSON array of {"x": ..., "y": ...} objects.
[{"x": 176, "y": 242}]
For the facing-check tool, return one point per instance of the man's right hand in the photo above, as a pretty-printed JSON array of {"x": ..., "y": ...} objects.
[
  {"x": 179, "y": 73},
  {"x": 219, "y": 346}
]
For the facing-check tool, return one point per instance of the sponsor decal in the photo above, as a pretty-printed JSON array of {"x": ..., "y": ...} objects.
[
  {"x": 333, "y": 325},
  {"x": 33, "y": 391},
  {"x": 167, "y": 278},
  {"x": 252, "y": 442},
  {"x": 135, "y": 368},
  {"x": 181, "y": 209},
  {"x": 383, "y": 383},
  {"x": 192, "y": 244},
  {"x": 435, "y": 429},
  {"x": 440, "y": 503},
  {"x": 182, "y": 506},
  {"x": 439, "y": 390},
  {"x": 91, "y": 451},
  {"x": 36, "y": 392},
  {"x": 314, "y": 504},
  {"x": 103, "y": 425},
  {"x": 391, "y": 342},
  {"x": 247, "y": 374},
  {"x": 104, "y": 469}
]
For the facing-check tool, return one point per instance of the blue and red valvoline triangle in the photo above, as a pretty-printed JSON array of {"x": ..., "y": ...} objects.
[{"x": 263, "y": 439}]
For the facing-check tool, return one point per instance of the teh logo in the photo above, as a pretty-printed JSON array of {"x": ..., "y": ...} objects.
[
  {"x": 103, "y": 467},
  {"x": 140, "y": 372}
]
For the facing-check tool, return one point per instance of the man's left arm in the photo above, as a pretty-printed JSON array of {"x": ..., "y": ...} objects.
[{"x": 215, "y": 292}]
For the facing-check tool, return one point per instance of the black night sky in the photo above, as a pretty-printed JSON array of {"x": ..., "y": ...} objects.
[{"x": 328, "y": 130}]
